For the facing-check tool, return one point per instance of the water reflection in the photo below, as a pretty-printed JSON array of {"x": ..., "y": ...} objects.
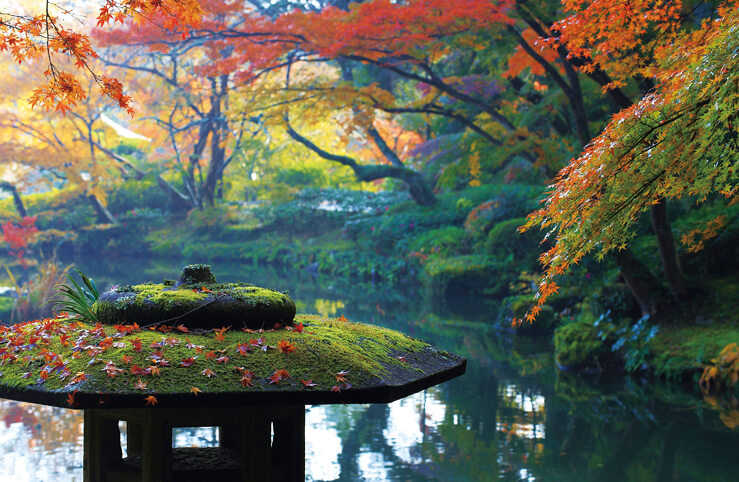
[
  {"x": 39, "y": 443},
  {"x": 511, "y": 417}
]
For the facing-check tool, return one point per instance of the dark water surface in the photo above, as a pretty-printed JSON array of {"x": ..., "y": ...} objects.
[{"x": 510, "y": 417}]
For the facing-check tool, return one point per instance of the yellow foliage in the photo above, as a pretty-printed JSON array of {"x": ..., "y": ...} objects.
[{"x": 723, "y": 370}]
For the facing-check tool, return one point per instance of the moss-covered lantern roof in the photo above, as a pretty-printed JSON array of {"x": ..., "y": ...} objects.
[{"x": 68, "y": 362}]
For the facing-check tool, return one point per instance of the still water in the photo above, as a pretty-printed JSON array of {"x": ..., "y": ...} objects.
[{"x": 512, "y": 416}]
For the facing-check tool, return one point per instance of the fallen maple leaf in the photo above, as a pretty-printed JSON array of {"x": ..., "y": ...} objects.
[
  {"x": 308, "y": 383},
  {"x": 137, "y": 370},
  {"x": 111, "y": 370},
  {"x": 195, "y": 390},
  {"x": 246, "y": 379},
  {"x": 151, "y": 400},
  {"x": 188, "y": 362},
  {"x": 79, "y": 377},
  {"x": 70, "y": 399},
  {"x": 139, "y": 385},
  {"x": 208, "y": 373},
  {"x": 286, "y": 346},
  {"x": 278, "y": 376}
]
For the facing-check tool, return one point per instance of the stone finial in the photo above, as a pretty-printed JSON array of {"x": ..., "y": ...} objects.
[{"x": 195, "y": 274}]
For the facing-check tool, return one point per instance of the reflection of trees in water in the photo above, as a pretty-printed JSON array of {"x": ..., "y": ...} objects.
[
  {"x": 49, "y": 445},
  {"x": 630, "y": 431},
  {"x": 49, "y": 427}
]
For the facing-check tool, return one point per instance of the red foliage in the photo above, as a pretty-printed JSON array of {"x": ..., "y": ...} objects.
[{"x": 18, "y": 236}]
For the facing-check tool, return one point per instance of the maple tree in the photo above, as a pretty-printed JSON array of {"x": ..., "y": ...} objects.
[
  {"x": 678, "y": 141},
  {"x": 33, "y": 34},
  {"x": 244, "y": 47},
  {"x": 60, "y": 146}
]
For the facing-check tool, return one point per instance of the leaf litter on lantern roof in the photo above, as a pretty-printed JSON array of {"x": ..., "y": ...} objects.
[{"x": 103, "y": 360}]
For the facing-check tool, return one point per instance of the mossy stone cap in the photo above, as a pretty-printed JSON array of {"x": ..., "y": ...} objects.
[
  {"x": 196, "y": 273},
  {"x": 195, "y": 300}
]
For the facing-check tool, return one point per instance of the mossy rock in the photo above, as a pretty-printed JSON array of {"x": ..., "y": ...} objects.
[
  {"x": 325, "y": 360},
  {"x": 581, "y": 346},
  {"x": 197, "y": 301}
]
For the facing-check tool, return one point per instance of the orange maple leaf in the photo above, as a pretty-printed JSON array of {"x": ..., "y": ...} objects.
[{"x": 286, "y": 346}]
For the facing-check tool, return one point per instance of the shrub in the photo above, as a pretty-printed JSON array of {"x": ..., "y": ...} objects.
[
  {"x": 504, "y": 240},
  {"x": 444, "y": 241},
  {"x": 582, "y": 345},
  {"x": 137, "y": 194},
  {"x": 510, "y": 203},
  {"x": 466, "y": 274}
]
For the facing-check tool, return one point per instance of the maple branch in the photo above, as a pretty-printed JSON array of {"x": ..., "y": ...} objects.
[
  {"x": 435, "y": 81},
  {"x": 436, "y": 110},
  {"x": 389, "y": 154},
  {"x": 551, "y": 71}
]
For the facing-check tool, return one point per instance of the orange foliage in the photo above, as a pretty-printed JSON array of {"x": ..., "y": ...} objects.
[
  {"x": 29, "y": 38},
  {"x": 520, "y": 60},
  {"x": 617, "y": 35}
]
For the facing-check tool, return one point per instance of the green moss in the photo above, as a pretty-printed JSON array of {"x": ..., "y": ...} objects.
[
  {"x": 197, "y": 305},
  {"x": 155, "y": 293},
  {"x": 324, "y": 348},
  {"x": 682, "y": 351},
  {"x": 583, "y": 345}
]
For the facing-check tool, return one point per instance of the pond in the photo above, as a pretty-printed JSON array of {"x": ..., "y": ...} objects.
[{"x": 512, "y": 416}]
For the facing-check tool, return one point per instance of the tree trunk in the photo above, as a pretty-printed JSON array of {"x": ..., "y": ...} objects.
[
  {"x": 420, "y": 191},
  {"x": 667, "y": 252},
  {"x": 16, "y": 198},
  {"x": 640, "y": 282},
  {"x": 103, "y": 215}
]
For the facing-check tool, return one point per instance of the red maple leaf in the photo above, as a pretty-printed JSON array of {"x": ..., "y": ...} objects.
[
  {"x": 308, "y": 383},
  {"x": 278, "y": 376},
  {"x": 188, "y": 362}
]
